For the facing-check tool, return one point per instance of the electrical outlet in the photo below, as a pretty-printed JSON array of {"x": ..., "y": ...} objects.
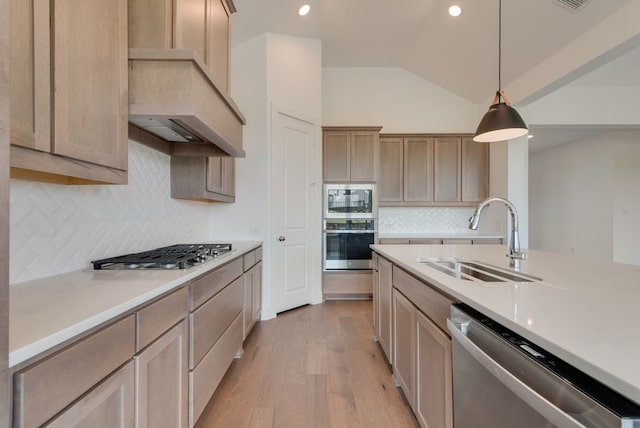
[{"x": 499, "y": 226}]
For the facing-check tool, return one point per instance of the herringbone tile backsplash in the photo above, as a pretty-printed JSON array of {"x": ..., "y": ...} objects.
[
  {"x": 56, "y": 228},
  {"x": 424, "y": 220}
]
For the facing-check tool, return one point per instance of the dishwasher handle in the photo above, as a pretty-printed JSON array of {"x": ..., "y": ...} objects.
[{"x": 536, "y": 401}]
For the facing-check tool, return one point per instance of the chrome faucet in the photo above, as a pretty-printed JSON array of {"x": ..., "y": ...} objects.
[{"x": 515, "y": 255}]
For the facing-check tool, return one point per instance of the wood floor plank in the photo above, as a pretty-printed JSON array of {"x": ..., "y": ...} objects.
[{"x": 316, "y": 366}]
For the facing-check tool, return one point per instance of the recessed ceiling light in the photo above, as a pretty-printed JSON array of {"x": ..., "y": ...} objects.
[
  {"x": 304, "y": 9},
  {"x": 455, "y": 10},
  {"x": 530, "y": 136}
]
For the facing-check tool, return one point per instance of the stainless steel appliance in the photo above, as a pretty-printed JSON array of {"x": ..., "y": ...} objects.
[
  {"x": 501, "y": 379},
  {"x": 349, "y": 201},
  {"x": 180, "y": 256},
  {"x": 346, "y": 243}
]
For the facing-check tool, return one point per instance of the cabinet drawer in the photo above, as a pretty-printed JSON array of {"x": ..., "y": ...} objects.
[
  {"x": 211, "y": 320},
  {"x": 201, "y": 289},
  {"x": 204, "y": 380},
  {"x": 425, "y": 241},
  {"x": 252, "y": 258},
  {"x": 45, "y": 388},
  {"x": 393, "y": 241},
  {"x": 487, "y": 241},
  {"x": 158, "y": 317},
  {"x": 432, "y": 303},
  {"x": 457, "y": 241}
]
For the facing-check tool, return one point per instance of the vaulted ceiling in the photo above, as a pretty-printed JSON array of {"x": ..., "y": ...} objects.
[{"x": 544, "y": 45}]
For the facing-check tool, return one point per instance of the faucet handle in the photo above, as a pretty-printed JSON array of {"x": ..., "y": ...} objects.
[{"x": 518, "y": 255}]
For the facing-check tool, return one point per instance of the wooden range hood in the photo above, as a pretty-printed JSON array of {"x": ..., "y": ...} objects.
[{"x": 178, "y": 79}]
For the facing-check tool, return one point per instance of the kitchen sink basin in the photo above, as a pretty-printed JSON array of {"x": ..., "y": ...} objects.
[{"x": 471, "y": 270}]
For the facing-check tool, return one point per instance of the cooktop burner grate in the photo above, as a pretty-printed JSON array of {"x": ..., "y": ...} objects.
[{"x": 179, "y": 256}]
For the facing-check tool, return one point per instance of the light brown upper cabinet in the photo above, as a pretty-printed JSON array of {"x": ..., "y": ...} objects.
[
  {"x": 69, "y": 91},
  {"x": 446, "y": 183},
  {"x": 179, "y": 77},
  {"x": 390, "y": 182},
  {"x": 350, "y": 154},
  {"x": 209, "y": 179},
  {"x": 432, "y": 170},
  {"x": 201, "y": 25}
]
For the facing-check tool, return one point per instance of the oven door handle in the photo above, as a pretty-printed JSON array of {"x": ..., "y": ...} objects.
[
  {"x": 536, "y": 401},
  {"x": 339, "y": 232}
]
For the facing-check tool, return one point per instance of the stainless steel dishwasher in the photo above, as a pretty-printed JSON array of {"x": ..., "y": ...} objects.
[{"x": 502, "y": 380}]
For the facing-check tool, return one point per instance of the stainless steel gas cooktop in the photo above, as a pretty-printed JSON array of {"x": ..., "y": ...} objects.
[{"x": 180, "y": 256}]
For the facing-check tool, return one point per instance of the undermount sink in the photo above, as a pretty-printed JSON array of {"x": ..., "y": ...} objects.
[{"x": 471, "y": 270}]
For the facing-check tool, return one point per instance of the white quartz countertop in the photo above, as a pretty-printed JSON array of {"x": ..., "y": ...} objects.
[
  {"x": 583, "y": 311},
  {"x": 49, "y": 311}
]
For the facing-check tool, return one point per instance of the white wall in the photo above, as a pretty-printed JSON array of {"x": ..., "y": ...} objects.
[
  {"x": 270, "y": 70},
  {"x": 56, "y": 228},
  {"x": 571, "y": 198},
  {"x": 395, "y": 99},
  {"x": 626, "y": 198}
]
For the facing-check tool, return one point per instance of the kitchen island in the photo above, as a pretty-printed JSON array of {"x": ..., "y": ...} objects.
[{"x": 583, "y": 311}]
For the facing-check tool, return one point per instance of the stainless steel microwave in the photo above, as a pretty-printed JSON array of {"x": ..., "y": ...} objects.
[{"x": 350, "y": 201}]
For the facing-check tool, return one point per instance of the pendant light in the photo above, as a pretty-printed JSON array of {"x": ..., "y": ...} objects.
[{"x": 502, "y": 122}]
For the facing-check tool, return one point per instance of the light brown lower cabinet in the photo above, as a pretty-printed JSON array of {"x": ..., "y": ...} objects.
[
  {"x": 162, "y": 381},
  {"x": 376, "y": 294},
  {"x": 252, "y": 279},
  {"x": 422, "y": 364},
  {"x": 44, "y": 389},
  {"x": 110, "y": 404},
  {"x": 384, "y": 298},
  {"x": 404, "y": 345},
  {"x": 421, "y": 348},
  {"x": 216, "y": 331},
  {"x": 433, "y": 405}
]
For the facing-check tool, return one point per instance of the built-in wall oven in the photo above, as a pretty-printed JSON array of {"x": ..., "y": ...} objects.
[
  {"x": 347, "y": 243},
  {"x": 501, "y": 379}
]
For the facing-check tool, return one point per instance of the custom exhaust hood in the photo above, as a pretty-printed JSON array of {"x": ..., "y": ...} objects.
[
  {"x": 173, "y": 96},
  {"x": 179, "y": 78}
]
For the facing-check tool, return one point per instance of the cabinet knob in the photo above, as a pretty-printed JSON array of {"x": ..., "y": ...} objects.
[{"x": 281, "y": 238}]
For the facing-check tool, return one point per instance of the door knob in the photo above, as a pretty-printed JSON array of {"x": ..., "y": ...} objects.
[{"x": 281, "y": 238}]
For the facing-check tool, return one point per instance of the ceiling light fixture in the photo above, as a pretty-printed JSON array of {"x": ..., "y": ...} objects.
[
  {"x": 455, "y": 10},
  {"x": 502, "y": 122},
  {"x": 304, "y": 9}
]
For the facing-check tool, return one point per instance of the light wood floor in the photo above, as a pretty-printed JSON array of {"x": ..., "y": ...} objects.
[{"x": 316, "y": 366}]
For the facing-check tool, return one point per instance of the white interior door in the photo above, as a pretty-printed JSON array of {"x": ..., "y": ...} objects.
[{"x": 291, "y": 210}]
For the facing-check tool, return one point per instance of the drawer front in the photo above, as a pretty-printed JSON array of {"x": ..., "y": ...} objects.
[
  {"x": 160, "y": 316},
  {"x": 487, "y": 241},
  {"x": 393, "y": 241},
  {"x": 429, "y": 301},
  {"x": 249, "y": 260},
  {"x": 204, "y": 380},
  {"x": 252, "y": 258},
  {"x": 457, "y": 241},
  {"x": 211, "y": 320},
  {"x": 425, "y": 241},
  {"x": 208, "y": 285},
  {"x": 45, "y": 388}
]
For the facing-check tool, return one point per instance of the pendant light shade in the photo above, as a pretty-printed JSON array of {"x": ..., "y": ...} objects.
[{"x": 502, "y": 122}]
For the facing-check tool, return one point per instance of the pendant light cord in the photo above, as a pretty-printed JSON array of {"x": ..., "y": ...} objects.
[{"x": 499, "y": 48}]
